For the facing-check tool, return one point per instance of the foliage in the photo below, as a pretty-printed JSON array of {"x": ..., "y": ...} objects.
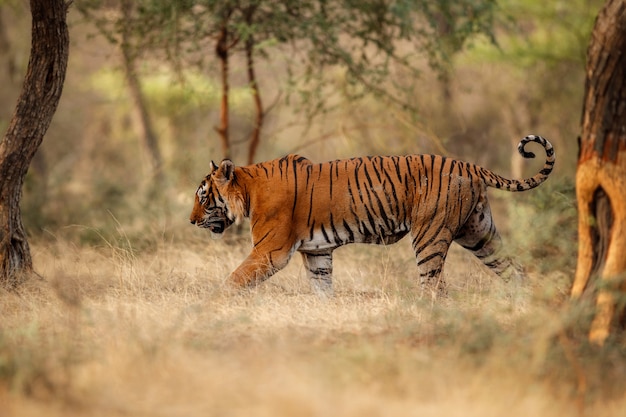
[
  {"x": 534, "y": 32},
  {"x": 368, "y": 41},
  {"x": 550, "y": 210},
  {"x": 362, "y": 36},
  {"x": 371, "y": 40},
  {"x": 544, "y": 46},
  {"x": 166, "y": 96}
]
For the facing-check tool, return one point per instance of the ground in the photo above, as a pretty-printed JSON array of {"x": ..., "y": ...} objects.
[{"x": 117, "y": 331}]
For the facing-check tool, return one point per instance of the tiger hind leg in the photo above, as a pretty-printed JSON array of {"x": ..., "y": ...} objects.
[
  {"x": 319, "y": 268},
  {"x": 479, "y": 236}
]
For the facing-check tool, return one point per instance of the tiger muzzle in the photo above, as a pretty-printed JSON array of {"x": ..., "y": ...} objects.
[
  {"x": 217, "y": 227},
  {"x": 216, "y": 224}
]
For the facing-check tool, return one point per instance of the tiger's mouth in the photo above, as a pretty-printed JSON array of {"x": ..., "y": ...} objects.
[
  {"x": 215, "y": 220},
  {"x": 216, "y": 226}
]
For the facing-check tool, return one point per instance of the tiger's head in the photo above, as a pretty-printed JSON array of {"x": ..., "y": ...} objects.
[{"x": 217, "y": 203}]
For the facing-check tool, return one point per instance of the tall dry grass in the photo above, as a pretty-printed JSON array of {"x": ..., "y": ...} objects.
[{"x": 118, "y": 331}]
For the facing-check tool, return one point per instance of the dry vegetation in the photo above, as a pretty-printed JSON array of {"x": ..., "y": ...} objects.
[{"x": 118, "y": 331}]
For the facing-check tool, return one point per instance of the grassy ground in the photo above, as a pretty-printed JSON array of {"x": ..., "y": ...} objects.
[{"x": 115, "y": 331}]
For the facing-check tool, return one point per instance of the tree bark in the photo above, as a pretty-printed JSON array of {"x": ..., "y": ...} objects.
[
  {"x": 35, "y": 108},
  {"x": 601, "y": 172}
]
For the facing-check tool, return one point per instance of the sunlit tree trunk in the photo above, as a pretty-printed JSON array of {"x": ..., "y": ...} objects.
[
  {"x": 601, "y": 173},
  {"x": 35, "y": 108}
]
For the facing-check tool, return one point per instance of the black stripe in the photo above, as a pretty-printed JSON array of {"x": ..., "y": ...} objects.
[
  {"x": 295, "y": 186},
  {"x": 349, "y": 230},
  {"x": 496, "y": 263},
  {"x": 326, "y": 238},
  {"x": 482, "y": 242},
  {"x": 396, "y": 163},
  {"x": 308, "y": 219},
  {"x": 430, "y": 258},
  {"x": 392, "y": 194},
  {"x": 334, "y": 230},
  {"x": 321, "y": 271},
  {"x": 367, "y": 176},
  {"x": 258, "y": 242},
  {"x": 309, "y": 170},
  {"x": 352, "y": 199},
  {"x": 377, "y": 169},
  {"x": 371, "y": 219},
  {"x": 356, "y": 179},
  {"x": 330, "y": 179}
]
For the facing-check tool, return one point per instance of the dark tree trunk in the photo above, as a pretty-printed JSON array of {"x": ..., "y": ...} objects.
[
  {"x": 222, "y": 53},
  {"x": 35, "y": 108},
  {"x": 601, "y": 172}
]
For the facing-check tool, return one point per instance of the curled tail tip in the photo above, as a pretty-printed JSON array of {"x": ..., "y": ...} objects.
[
  {"x": 538, "y": 139},
  {"x": 533, "y": 137}
]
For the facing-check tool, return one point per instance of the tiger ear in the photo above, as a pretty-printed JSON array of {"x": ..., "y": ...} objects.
[
  {"x": 213, "y": 167},
  {"x": 225, "y": 172}
]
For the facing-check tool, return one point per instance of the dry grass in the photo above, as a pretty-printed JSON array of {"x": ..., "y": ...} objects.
[{"x": 118, "y": 332}]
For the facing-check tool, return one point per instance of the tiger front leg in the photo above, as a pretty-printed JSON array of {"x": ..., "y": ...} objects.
[
  {"x": 319, "y": 267},
  {"x": 258, "y": 267}
]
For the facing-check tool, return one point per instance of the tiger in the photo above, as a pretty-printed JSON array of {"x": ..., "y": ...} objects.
[{"x": 294, "y": 205}]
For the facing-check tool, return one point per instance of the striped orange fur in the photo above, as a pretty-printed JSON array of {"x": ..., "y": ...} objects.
[{"x": 296, "y": 205}]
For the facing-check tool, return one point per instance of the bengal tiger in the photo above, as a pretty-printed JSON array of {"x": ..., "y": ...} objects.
[{"x": 296, "y": 205}]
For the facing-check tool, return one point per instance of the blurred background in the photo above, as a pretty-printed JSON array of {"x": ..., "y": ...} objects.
[{"x": 141, "y": 113}]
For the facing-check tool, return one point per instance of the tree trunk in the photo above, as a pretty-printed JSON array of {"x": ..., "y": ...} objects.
[
  {"x": 148, "y": 137},
  {"x": 255, "y": 136},
  {"x": 35, "y": 108},
  {"x": 601, "y": 172},
  {"x": 222, "y": 52}
]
